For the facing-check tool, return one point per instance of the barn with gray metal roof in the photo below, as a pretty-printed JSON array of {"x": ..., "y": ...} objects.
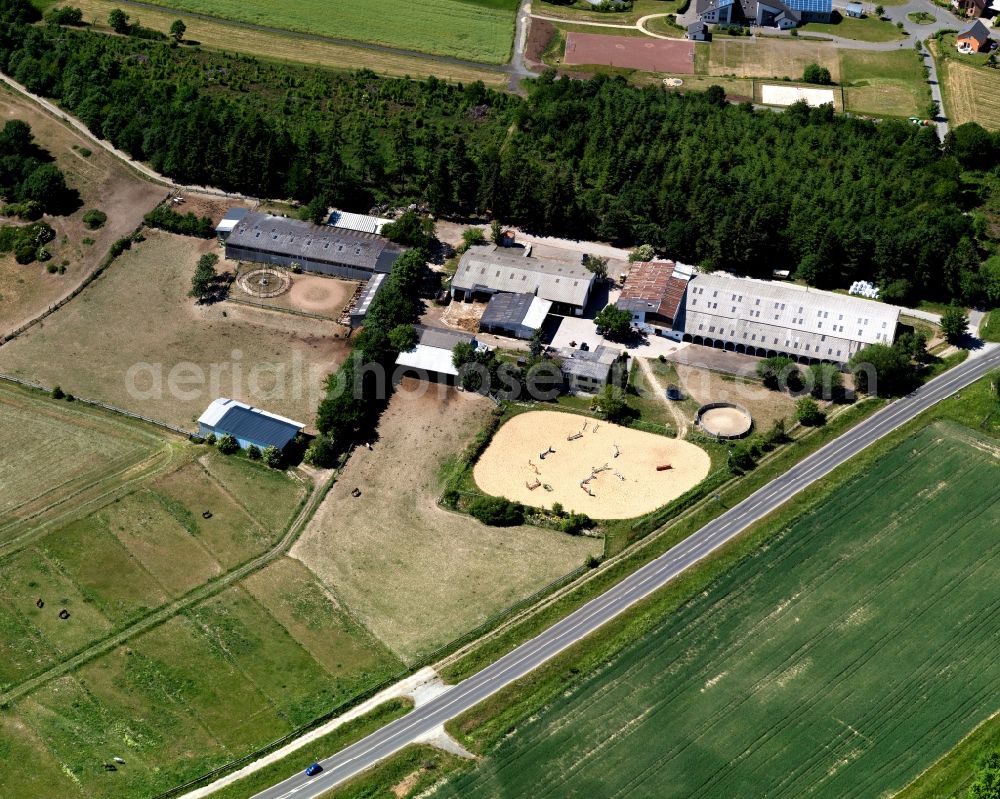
[
  {"x": 487, "y": 270},
  {"x": 281, "y": 241}
]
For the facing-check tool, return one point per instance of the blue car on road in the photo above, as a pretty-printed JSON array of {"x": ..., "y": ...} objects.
[{"x": 313, "y": 770}]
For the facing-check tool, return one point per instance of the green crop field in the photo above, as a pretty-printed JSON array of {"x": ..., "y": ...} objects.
[
  {"x": 840, "y": 660},
  {"x": 477, "y": 30}
]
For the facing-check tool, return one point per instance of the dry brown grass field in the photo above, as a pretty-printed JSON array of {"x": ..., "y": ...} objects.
[
  {"x": 765, "y": 406},
  {"x": 103, "y": 183},
  {"x": 138, "y": 312},
  {"x": 221, "y": 35},
  {"x": 415, "y": 574},
  {"x": 769, "y": 58}
]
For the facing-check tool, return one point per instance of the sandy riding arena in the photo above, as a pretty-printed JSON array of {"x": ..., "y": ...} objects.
[
  {"x": 725, "y": 420},
  {"x": 601, "y": 469}
]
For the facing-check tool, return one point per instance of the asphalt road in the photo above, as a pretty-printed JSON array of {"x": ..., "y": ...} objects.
[{"x": 393, "y": 737}]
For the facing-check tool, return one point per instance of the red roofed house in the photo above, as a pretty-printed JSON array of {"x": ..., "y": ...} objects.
[{"x": 970, "y": 8}]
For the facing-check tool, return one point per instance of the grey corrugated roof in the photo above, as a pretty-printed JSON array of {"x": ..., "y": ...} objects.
[
  {"x": 506, "y": 309},
  {"x": 442, "y": 339},
  {"x": 489, "y": 268},
  {"x": 781, "y": 316},
  {"x": 297, "y": 239}
]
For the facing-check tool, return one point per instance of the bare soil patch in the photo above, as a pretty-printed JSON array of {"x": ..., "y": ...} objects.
[
  {"x": 134, "y": 339},
  {"x": 103, "y": 182},
  {"x": 540, "y": 35},
  {"x": 415, "y": 574},
  {"x": 627, "y": 484},
  {"x": 649, "y": 55}
]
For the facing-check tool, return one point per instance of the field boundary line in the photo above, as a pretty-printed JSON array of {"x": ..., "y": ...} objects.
[
  {"x": 98, "y": 404},
  {"x": 308, "y": 505},
  {"x": 264, "y": 307}
]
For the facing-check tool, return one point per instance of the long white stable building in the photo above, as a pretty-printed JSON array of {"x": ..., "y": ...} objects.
[{"x": 762, "y": 318}]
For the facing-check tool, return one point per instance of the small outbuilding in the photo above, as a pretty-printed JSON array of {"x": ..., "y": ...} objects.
[
  {"x": 697, "y": 32},
  {"x": 229, "y": 222},
  {"x": 973, "y": 38},
  {"x": 856, "y": 10},
  {"x": 432, "y": 357},
  {"x": 517, "y": 315},
  {"x": 588, "y": 371},
  {"x": 248, "y": 425}
]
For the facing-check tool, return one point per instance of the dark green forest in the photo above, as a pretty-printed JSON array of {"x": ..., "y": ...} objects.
[{"x": 831, "y": 198}]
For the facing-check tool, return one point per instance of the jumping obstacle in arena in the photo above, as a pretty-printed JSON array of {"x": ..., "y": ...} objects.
[
  {"x": 663, "y": 467},
  {"x": 543, "y": 455},
  {"x": 617, "y": 451},
  {"x": 533, "y": 467},
  {"x": 574, "y": 437},
  {"x": 534, "y": 485}
]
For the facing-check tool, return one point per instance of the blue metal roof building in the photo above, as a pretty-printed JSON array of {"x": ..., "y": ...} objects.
[{"x": 248, "y": 425}]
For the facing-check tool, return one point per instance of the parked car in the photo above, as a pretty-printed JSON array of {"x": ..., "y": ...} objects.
[{"x": 313, "y": 770}]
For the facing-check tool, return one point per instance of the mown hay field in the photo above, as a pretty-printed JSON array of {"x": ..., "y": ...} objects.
[
  {"x": 840, "y": 661},
  {"x": 884, "y": 83},
  {"x": 971, "y": 94},
  {"x": 55, "y": 449},
  {"x": 477, "y": 30}
]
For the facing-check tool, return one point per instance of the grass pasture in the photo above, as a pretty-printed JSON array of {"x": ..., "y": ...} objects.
[
  {"x": 477, "y": 30},
  {"x": 235, "y": 672},
  {"x": 884, "y": 83},
  {"x": 868, "y": 29},
  {"x": 806, "y": 668},
  {"x": 275, "y": 45},
  {"x": 150, "y": 326}
]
